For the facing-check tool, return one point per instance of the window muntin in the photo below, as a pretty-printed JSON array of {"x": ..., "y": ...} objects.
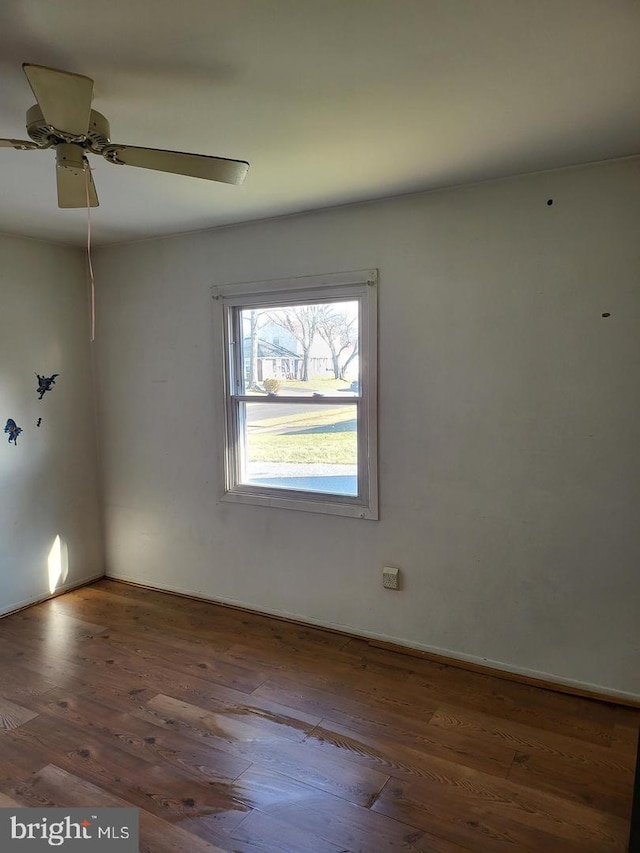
[{"x": 300, "y": 393}]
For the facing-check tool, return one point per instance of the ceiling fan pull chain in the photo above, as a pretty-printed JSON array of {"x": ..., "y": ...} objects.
[{"x": 87, "y": 174}]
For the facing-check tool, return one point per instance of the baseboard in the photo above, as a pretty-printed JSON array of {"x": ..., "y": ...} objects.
[
  {"x": 473, "y": 663},
  {"x": 508, "y": 673},
  {"x": 38, "y": 599}
]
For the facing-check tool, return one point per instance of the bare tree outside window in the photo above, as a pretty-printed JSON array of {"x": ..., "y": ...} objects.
[
  {"x": 302, "y": 323},
  {"x": 340, "y": 332},
  {"x": 257, "y": 320}
]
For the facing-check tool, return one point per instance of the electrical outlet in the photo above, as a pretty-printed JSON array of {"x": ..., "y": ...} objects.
[{"x": 390, "y": 577}]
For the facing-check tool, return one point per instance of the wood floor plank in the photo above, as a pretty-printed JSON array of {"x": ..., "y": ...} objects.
[
  {"x": 134, "y": 621},
  {"x": 24, "y": 684},
  {"x": 261, "y": 833},
  {"x": 49, "y": 622},
  {"x": 211, "y": 697},
  {"x": 61, "y": 788},
  {"x": 169, "y": 748},
  {"x": 324, "y": 815},
  {"x": 7, "y": 802},
  {"x": 305, "y": 763},
  {"x": 267, "y": 745},
  {"x": 64, "y": 672},
  {"x": 484, "y": 807},
  {"x": 625, "y": 733},
  {"x": 533, "y": 706},
  {"x": 19, "y": 761},
  {"x": 340, "y": 673},
  {"x": 245, "y": 621},
  {"x": 410, "y": 716},
  {"x": 526, "y": 738},
  {"x": 234, "y": 732},
  {"x": 77, "y": 659},
  {"x": 609, "y": 791},
  {"x": 166, "y": 792},
  {"x": 248, "y": 707},
  {"x": 231, "y": 726},
  {"x": 206, "y": 663},
  {"x": 125, "y": 696},
  {"x": 588, "y": 773},
  {"x": 405, "y": 755},
  {"x": 142, "y": 740},
  {"x": 213, "y": 622},
  {"x": 12, "y": 715}
]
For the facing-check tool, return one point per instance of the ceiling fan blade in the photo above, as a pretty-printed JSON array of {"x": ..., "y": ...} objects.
[
  {"x": 18, "y": 144},
  {"x": 72, "y": 174},
  {"x": 72, "y": 188},
  {"x": 179, "y": 163},
  {"x": 63, "y": 97}
]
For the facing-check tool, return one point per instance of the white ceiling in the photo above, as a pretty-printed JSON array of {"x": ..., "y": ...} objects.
[{"x": 331, "y": 101}]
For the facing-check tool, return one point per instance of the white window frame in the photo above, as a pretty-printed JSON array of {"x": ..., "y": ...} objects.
[{"x": 359, "y": 285}]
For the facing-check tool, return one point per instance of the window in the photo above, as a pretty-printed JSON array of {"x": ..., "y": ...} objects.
[{"x": 297, "y": 386}]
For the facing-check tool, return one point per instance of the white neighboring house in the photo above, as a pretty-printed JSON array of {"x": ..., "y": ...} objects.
[{"x": 280, "y": 356}]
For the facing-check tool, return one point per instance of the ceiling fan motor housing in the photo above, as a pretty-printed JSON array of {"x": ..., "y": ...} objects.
[
  {"x": 70, "y": 156},
  {"x": 96, "y": 138}
]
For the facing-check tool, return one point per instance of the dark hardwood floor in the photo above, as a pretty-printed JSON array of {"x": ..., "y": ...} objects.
[{"x": 235, "y": 732}]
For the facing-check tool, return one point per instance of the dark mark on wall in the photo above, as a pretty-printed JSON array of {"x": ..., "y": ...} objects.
[{"x": 606, "y": 314}]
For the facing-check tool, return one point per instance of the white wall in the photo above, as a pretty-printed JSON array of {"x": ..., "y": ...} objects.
[
  {"x": 48, "y": 481},
  {"x": 509, "y": 428}
]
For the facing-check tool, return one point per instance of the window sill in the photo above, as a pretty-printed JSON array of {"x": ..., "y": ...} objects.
[{"x": 305, "y": 502}]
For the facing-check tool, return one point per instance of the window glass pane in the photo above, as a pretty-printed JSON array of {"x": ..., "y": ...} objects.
[
  {"x": 313, "y": 448},
  {"x": 301, "y": 350}
]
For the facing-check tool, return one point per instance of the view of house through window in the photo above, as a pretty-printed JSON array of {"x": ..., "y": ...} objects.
[
  {"x": 300, "y": 395},
  {"x": 301, "y": 352}
]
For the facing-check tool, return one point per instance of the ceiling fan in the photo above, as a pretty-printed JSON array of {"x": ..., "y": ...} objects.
[{"x": 63, "y": 119}]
